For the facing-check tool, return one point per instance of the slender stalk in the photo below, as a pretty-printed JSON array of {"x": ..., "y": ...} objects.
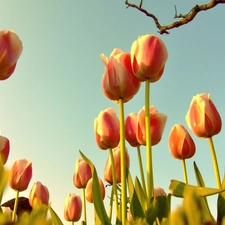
[
  {"x": 184, "y": 171},
  {"x": 114, "y": 180},
  {"x": 72, "y": 222},
  {"x": 141, "y": 169},
  {"x": 150, "y": 183},
  {"x": 110, "y": 205},
  {"x": 84, "y": 206},
  {"x": 15, "y": 206},
  {"x": 215, "y": 164},
  {"x": 123, "y": 163}
]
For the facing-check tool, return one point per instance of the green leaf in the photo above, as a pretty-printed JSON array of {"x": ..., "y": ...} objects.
[
  {"x": 96, "y": 192},
  {"x": 221, "y": 204},
  {"x": 55, "y": 218},
  {"x": 3, "y": 180},
  {"x": 207, "y": 216},
  {"x": 141, "y": 194},
  {"x": 135, "y": 205},
  {"x": 179, "y": 189}
]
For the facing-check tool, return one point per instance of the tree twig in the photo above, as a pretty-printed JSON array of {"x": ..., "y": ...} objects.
[{"x": 184, "y": 18}]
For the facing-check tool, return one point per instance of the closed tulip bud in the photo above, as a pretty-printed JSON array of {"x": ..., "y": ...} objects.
[
  {"x": 82, "y": 174},
  {"x": 88, "y": 190},
  {"x": 8, "y": 211},
  {"x": 108, "y": 176},
  {"x": 20, "y": 174},
  {"x": 72, "y": 208},
  {"x": 159, "y": 192},
  {"x": 107, "y": 129},
  {"x": 202, "y": 117},
  {"x": 4, "y": 149},
  {"x": 10, "y": 51},
  {"x": 130, "y": 129},
  {"x": 157, "y": 125},
  {"x": 39, "y": 193},
  {"x": 118, "y": 80},
  {"x": 181, "y": 144},
  {"x": 148, "y": 57}
]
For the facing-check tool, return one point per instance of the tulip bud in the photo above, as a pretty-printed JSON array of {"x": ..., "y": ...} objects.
[
  {"x": 148, "y": 57},
  {"x": 107, "y": 129},
  {"x": 118, "y": 80},
  {"x": 10, "y": 51},
  {"x": 108, "y": 176},
  {"x": 9, "y": 212},
  {"x": 157, "y": 124},
  {"x": 4, "y": 149},
  {"x": 20, "y": 174},
  {"x": 72, "y": 208},
  {"x": 202, "y": 117},
  {"x": 88, "y": 190},
  {"x": 181, "y": 144},
  {"x": 40, "y": 193},
  {"x": 130, "y": 129},
  {"x": 159, "y": 192},
  {"x": 82, "y": 174}
]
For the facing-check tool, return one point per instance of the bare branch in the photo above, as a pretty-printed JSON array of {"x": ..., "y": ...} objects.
[{"x": 184, "y": 18}]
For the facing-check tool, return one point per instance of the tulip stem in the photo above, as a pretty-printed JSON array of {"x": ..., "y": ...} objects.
[
  {"x": 184, "y": 171},
  {"x": 72, "y": 222},
  {"x": 110, "y": 205},
  {"x": 15, "y": 206},
  {"x": 114, "y": 180},
  {"x": 150, "y": 184},
  {"x": 215, "y": 164},
  {"x": 123, "y": 163},
  {"x": 84, "y": 205},
  {"x": 141, "y": 169}
]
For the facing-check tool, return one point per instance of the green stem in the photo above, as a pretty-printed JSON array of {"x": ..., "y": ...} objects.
[
  {"x": 215, "y": 164},
  {"x": 84, "y": 206},
  {"x": 114, "y": 180},
  {"x": 15, "y": 206},
  {"x": 123, "y": 163},
  {"x": 72, "y": 222},
  {"x": 150, "y": 183},
  {"x": 111, "y": 205},
  {"x": 184, "y": 171},
  {"x": 141, "y": 169}
]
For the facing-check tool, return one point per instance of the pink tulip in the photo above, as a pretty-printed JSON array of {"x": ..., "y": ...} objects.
[
  {"x": 157, "y": 122},
  {"x": 73, "y": 208},
  {"x": 148, "y": 57},
  {"x": 159, "y": 192},
  {"x": 9, "y": 212},
  {"x": 118, "y": 81},
  {"x": 82, "y": 174},
  {"x": 4, "y": 149},
  {"x": 202, "y": 117},
  {"x": 107, "y": 129},
  {"x": 10, "y": 51},
  {"x": 88, "y": 190},
  {"x": 40, "y": 193},
  {"x": 130, "y": 129},
  {"x": 181, "y": 144},
  {"x": 20, "y": 174},
  {"x": 108, "y": 166}
]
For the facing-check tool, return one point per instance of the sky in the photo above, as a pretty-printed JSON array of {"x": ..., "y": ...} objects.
[{"x": 49, "y": 104}]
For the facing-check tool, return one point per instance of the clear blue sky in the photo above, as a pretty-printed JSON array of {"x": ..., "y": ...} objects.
[{"x": 49, "y": 104}]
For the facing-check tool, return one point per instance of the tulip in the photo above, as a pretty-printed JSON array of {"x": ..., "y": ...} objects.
[
  {"x": 39, "y": 192},
  {"x": 159, "y": 192},
  {"x": 73, "y": 208},
  {"x": 107, "y": 129},
  {"x": 20, "y": 174},
  {"x": 148, "y": 57},
  {"x": 4, "y": 149},
  {"x": 82, "y": 174},
  {"x": 8, "y": 211},
  {"x": 118, "y": 80},
  {"x": 88, "y": 190},
  {"x": 10, "y": 51},
  {"x": 108, "y": 166},
  {"x": 130, "y": 129},
  {"x": 157, "y": 122},
  {"x": 181, "y": 144},
  {"x": 202, "y": 117}
]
